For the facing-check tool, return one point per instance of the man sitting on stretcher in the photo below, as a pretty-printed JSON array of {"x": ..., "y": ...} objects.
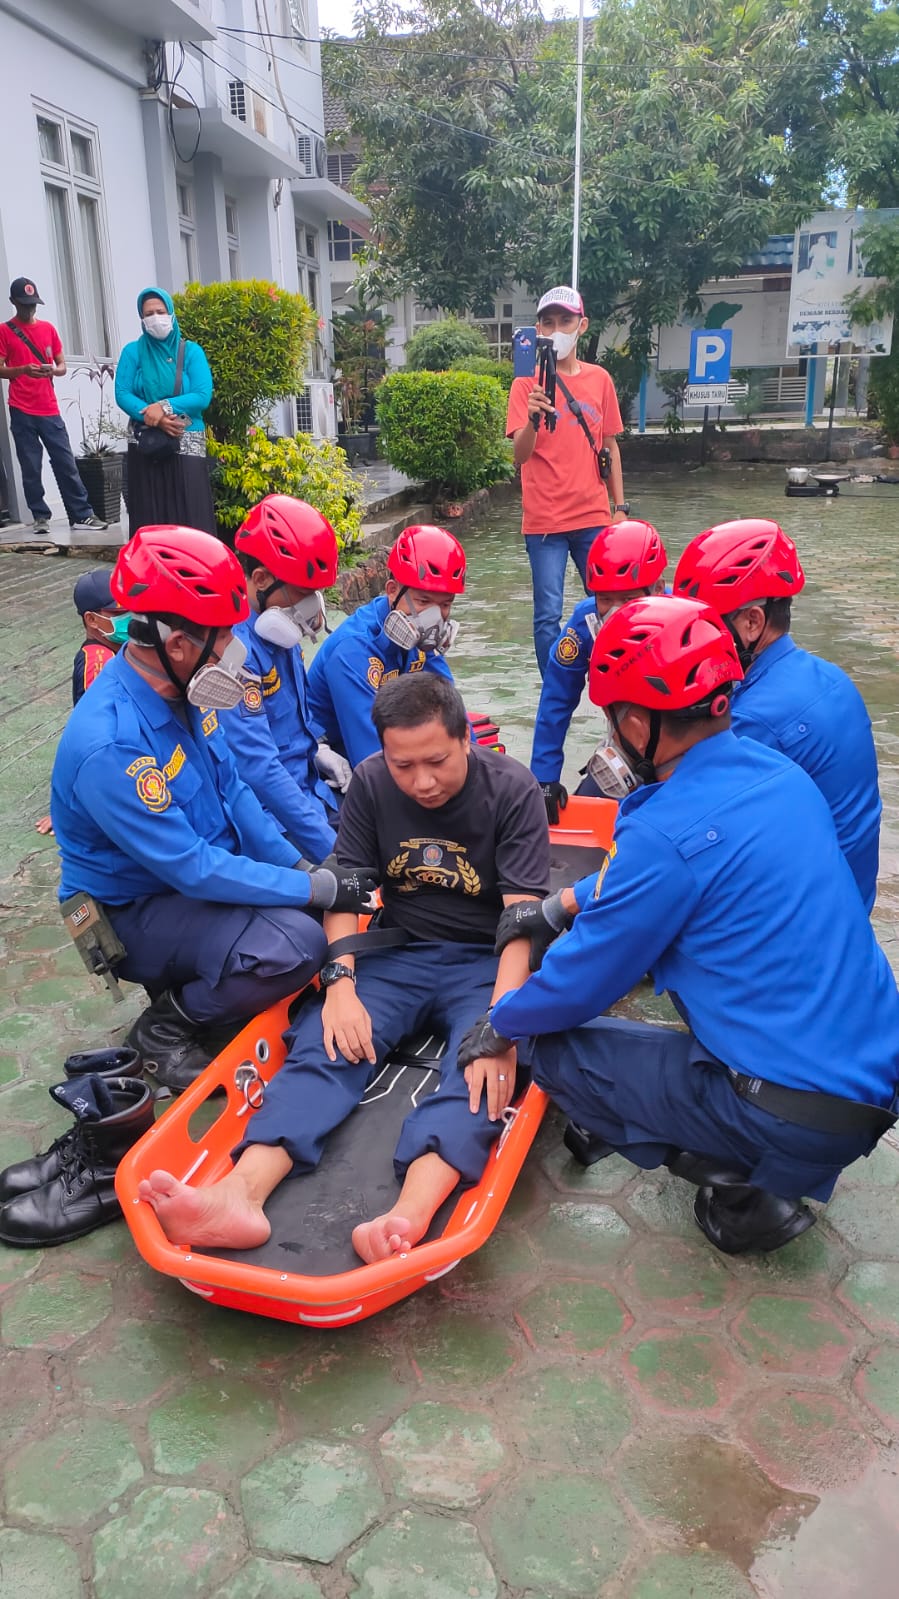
[{"x": 456, "y": 833}]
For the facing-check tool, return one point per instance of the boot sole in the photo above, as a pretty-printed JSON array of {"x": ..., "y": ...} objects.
[
  {"x": 765, "y": 1245},
  {"x": 61, "y": 1238}
]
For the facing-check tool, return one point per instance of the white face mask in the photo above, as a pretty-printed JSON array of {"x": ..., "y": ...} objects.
[
  {"x": 287, "y": 625},
  {"x": 564, "y": 343},
  {"x": 595, "y": 621},
  {"x": 220, "y": 685},
  {"x": 158, "y": 324},
  {"x": 425, "y": 631}
]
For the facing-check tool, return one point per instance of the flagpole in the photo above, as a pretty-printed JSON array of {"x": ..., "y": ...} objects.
[{"x": 578, "y": 131}]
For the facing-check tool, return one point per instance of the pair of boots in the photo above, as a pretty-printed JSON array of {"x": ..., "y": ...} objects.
[{"x": 69, "y": 1190}]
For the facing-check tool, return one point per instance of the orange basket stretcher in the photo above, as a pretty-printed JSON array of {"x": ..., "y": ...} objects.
[{"x": 262, "y": 1281}]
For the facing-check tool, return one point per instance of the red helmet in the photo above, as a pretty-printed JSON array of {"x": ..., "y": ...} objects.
[
  {"x": 181, "y": 571},
  {"x": 735, "y": 563},
  {"x": 626, "y": 555},
  {"x": 428, "y": 558},
  {"x": 292, "y": 540},
  {"x": 663, "y": 654}
]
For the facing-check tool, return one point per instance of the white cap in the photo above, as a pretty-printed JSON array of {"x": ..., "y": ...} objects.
[{"x": 567, "y": 298}]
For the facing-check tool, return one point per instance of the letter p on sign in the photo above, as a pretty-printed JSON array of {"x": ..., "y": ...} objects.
[{"x": 710, "y": 355}]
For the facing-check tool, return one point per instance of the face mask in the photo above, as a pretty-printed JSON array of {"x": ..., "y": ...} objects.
[
  {"x": 220, "y": 685},
  {"x": 158, "y": 324},
  {"x": 611, "y": 773},
  {"x": 118, "y": 628},
  {"x": 426, "y": 631},
  {"x": 564, "y": 343},
  {"x": 595, "y": 622},
  {"x": 287, "y": 625}
]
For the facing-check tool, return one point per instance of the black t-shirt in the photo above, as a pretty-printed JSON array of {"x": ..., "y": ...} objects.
[{"x": 444, "y": 872}]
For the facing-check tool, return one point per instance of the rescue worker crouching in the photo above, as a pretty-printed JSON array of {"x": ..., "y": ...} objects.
[
  {"x": 626, "y": 560},
  {"x": 289, "y": 555},
  {"x": 155, "y": 823},
  {"x": 791, "y": 700},
  {"x": 726, "y": 879},
  {"x": 408, "y": 628}
]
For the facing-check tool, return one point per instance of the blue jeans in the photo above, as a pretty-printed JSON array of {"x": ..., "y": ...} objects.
[
  {"x": 32, "y": 435},
  {"x": 548, "y": 554}
]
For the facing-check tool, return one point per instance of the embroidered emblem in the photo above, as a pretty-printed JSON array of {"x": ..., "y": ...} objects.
[
  {"x": 152, "y": 789},
  {"x": 252, "y": 697},
  {"x": 613, "y": 851},
  {"x": 568, "y": 648},
  {"x": 139, "y": 764},
  {"x": 375, "y": 671},
  {"x": 432, "y": 855},
  {"x": 210, "y": 723},
  {"x": 173, "y": 766}
]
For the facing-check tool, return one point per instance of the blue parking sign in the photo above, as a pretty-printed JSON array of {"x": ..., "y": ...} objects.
[{"x": 710, "y": 351}]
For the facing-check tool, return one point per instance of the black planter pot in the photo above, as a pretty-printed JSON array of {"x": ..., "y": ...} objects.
[
  {"x": 358, "y": 446},
  {"x": 102, "y": 479}
]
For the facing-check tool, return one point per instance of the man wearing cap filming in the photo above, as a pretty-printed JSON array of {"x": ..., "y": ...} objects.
[{"x": 565, "y": 497}]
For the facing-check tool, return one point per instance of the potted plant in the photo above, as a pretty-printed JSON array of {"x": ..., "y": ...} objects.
[
  {"x": 100, "y": 462},
  {"x": 360, "y": 339}
]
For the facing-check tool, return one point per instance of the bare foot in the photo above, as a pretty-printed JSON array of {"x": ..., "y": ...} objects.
[
  {"x": 44, "y": 826},
  {"x": 220, "y": 1216},
  {"x": 385, "y": 1236}
]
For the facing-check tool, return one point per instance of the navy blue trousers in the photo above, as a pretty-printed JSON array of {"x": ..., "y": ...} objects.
[
  {"x": 34, "y": 434},
  {"x": 650, "y": 1091},
  {"x": 444, "y": 986},
  {"x": 223, "y": 962}
]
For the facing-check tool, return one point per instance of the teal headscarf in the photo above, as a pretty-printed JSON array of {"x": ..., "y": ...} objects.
[{"x": 157, "y": 358}]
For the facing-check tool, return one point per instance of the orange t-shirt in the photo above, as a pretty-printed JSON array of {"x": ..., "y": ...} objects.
[{"x": 561, "y": 489}]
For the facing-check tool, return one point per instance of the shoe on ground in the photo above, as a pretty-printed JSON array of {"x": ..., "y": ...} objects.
[
  {"x": 121, "y": 1062},
  {"x": 759, "y": 1222},
  {"x": 5, "y": 519},
  {"x": 92, "y": 522},
  {"x": 170, "y": 1044},
  {"x": 586, "y": 1147},
  {"x": 111, "y": 1115},
  {"x": 40, "y": 526}
]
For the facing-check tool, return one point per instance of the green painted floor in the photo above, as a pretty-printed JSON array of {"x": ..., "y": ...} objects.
[{"x": 596, "y": 1406}]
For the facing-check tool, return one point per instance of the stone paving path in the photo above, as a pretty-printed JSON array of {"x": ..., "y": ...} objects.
[{"x": 594, "y": 1407}]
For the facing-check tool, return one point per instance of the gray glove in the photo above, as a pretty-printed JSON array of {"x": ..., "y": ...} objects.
[
  {"x": 334, "y": 768},
  {"x": 344, "y": 890},
  {"x": 541, "y": 921}
]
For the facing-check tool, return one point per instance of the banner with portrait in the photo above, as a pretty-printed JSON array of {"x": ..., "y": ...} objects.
[{"x": 828, "y": 268}]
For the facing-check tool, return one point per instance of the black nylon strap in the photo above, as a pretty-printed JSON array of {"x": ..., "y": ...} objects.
[
  {"x": 179, "y": 368},
  {"x": 577, "y": 412},
  {"x": 823, "y": 1113},
  {"x": 13, "y": 328},
  {"x": 367, "y": 943}
]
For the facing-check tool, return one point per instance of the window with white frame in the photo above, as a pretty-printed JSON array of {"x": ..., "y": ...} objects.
[
  {"x": 309, "y": 285},
  {"x": 344, "y": 243},
  {"x": 296, "y": 22},
  {"x": 187, "y": 227},
  {"x": 341, "y": 166},
  {"x": 76, "y": 218},
  {"x": 232, "y": 238}
]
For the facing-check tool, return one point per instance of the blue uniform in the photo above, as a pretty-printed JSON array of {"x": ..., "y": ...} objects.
[
  {"x": 347, "y": 672},
  {"x": 153, "y": 820},
  {"x": 808, "y": 708},
  {"x": 564, "y": 678},
  {"x": 271, "y": 738},
  {"x": 729, "y": 884}
]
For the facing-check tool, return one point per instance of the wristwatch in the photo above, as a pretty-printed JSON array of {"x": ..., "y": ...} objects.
[
  {"x": 332, "y": 971},
  {"x": 625, "y": 506}
]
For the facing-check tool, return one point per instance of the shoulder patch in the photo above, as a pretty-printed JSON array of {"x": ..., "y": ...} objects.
[
  {"x": 375, "y": 671},
  {"x": 416, "y": 664},
  {"x": 613, "y": 851},
  {"x": 174, "y": 764},
  {"x": 271, "y": 683},
  {"x": 252, "y": 697},
  {"x": 210, "y": 723},
  {"x": 152, "y": 789},
  {"x": 139, "y": 764},
  {"x": 568, "y": 648}
]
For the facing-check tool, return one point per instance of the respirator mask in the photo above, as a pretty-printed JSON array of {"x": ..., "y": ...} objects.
[
  {"x": 425, "y": 631},
  {"x": 220, "y": 685},
  {"x": 287, "y": 625},
  {"x": 594, "y": 621},
  {"x": 611, "y": 772}
]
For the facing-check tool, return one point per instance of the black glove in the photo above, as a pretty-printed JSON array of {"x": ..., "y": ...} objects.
[
  {"x": 539, "y": 920},
  {"x": 555, "y": 798},
  {"x": 482, "y": 1040},
  {"x": 344, "y": 890}
]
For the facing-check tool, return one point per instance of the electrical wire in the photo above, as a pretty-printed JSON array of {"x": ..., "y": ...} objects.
[{"x": 172, "y": 85}]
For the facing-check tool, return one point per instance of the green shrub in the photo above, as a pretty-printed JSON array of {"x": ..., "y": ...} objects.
[
  {"x": 256, "y": 337},
  {"x": 439, "y": 345},
  {"x": 626, "y": 372},
  {"x": 485, "y": 367},
  {"x": 445, "y": 429},
  {"x": 244, "y": 473},
  {"x": 883, "y": 394}
]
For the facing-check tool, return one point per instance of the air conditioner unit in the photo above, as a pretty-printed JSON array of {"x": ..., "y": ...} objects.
[
  {"x": 321, "y": 158},
  {"x": 315, "y": 410},
  {"x": 304, "y": 151},
  {"x": 237, "y": 99}
]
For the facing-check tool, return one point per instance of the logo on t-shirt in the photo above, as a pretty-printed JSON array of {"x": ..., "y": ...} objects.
[{"x": 419, "y": 863}]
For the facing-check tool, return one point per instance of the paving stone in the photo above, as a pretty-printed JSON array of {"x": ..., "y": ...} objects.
[
  {"x": 443, "y": 1454},
  {"x": 45, "y": 936},
  {"x": 683, "y": 1371},
  {"x": 9, "y": 1067},
  {"x": 504, "y": 1256},
  {"x": 228, "y": 1341},
  {"x": 73, "y": 1474},
  {"x": 585, "y": 1234},
  {"x": 880, "y": 1168},
  {"x": 603, "y": 1177},
  {"x": 565, "y": 1414},
  {"x": 26, "y": 1392},
  {"x": 798, "y": 1335},
  {"x": 558, "y": 1533},
  {"x": 871, "y": 1289},
  {"x": 14, "y": 1147},
  {"x": 811, "y": 1261},
  {"x": 311, "y": 1500},
  {"x": 346, "y": 1391},
  {"x": 33, "y": 1566},
  {"x": 18, "y": 1264},
  {"x": 54, "y": 1311},
  {"x": 878, "y": 1383},
  {"x": 865, "y": 1218},
  {"x": 664, "y": 1204},
  {"x": 183, "y": 1542},
  {"x": 572, "y": 1317},
  {"x": 462, "y": 1348},
  {"x": 56, "y": 991},
  {"x": 269, "y": 1579},
  {"x": 678, "y": 1279},
  {"x": 848, "y": 1548},
  {"x": 693, "y": 1576},
  {"x": 231, "y": 1421},
  {"x": 140, "y": 1359},
  {"x": 805, "y": 1440},
  {"x": 421, "y": 1556}
]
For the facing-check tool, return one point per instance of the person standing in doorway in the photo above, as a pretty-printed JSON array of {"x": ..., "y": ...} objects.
[
  {"x": 571, "y": 479},
  {"x": 31, "y": 357}
]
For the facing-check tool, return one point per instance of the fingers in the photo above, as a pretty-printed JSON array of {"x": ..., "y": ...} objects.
[
  {"x": 328, "y": 1040},
  {"x": 475, "y": 1078}
]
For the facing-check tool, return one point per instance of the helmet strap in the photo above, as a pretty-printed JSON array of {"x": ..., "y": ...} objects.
[
  {"x": 159, "y": 646},
  {"x": 641, "y": 765},
  {"x": 264, "y": 595},
  {"x": 746, "y": 652},
  {"x": 403, "y": 589}
]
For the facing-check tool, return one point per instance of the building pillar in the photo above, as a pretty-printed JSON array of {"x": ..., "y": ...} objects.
[
  {"x": 209, "y": 194},
  {"x": 161, "y": 190}
]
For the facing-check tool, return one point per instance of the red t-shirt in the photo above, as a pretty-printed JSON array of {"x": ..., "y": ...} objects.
[
  {"x": 561, "y": 489},
  {"x": 37, "y": 396}
]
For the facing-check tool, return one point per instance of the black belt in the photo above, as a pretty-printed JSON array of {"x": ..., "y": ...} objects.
[{"x": 822, "y": 1113}]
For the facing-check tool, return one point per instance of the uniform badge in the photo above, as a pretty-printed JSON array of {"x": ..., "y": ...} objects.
[
  {"x": 568, "y": 648},
  {"x": 152, "y": 789},
  {"x": 432, "y": 854},
  {"x": 613, "y": 851},
  {"x": 375, "y": 671},
  {"x": 252, "y": 697},
  {"x": 210, "y": 723}
]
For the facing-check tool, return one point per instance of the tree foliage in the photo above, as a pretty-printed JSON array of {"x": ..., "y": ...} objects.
[
  {"x": 317, "y": 473},
  {"x": 256, "y": 337},
  {"x": 446, "y": 429},
  {"x": 439, "y": 345}
]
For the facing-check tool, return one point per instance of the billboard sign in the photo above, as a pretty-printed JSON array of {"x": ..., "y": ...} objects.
[{"x": 828, "y": 267}]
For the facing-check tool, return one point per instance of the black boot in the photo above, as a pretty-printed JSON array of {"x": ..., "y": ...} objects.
[
  {"x": 740, "y": 1219},
  {"x": 122, "y": 1062},
  {"x": 586, "y": 1147},
  {"x": 79, "y": 1195},
  {"x": 169, "y": 1044}
]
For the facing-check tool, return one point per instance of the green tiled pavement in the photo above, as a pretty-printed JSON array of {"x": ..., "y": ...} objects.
[{"x": 595, "y": 1407}]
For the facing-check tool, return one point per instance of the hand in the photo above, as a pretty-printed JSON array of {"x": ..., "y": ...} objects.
[
  {"x": 153, "y": 415},
  {"x": 36, "y": 369},
  {"x": 344, "y": 890},
  {"x": 555, "y": 798},
  {"x": 497, "y": 1074},
  {"x": 619, "y": 516},
  {"x": 538, "y": 399},
  {"x": 541, "y": 921},
  {"x": 346, "y": 1024},
  {"x": 173, "y": 425},
  {"x": 335, "y": 769},
  {"x": 481, "y": 1042}
]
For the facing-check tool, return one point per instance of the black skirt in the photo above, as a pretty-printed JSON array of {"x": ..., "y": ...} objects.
[{"x": 175, "y": 490}]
